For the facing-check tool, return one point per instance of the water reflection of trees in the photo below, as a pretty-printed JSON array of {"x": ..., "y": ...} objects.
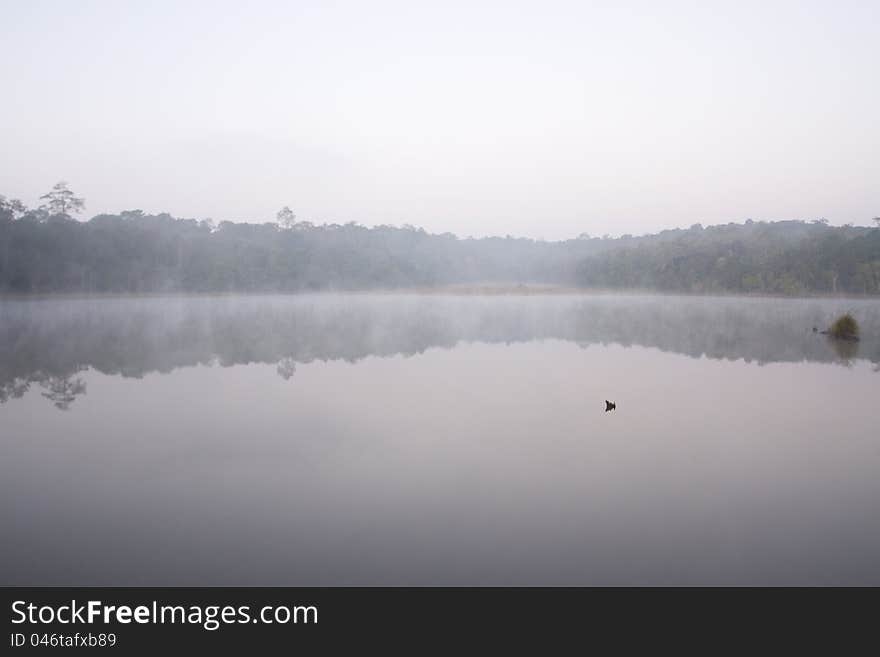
[
  {"x": 286, "y": 368},
  {"x": 48, "y": 342},
  {"x": 62, "y": 391}
]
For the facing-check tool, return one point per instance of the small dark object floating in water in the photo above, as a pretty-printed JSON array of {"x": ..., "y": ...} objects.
[{"x": 610, "y": 406}]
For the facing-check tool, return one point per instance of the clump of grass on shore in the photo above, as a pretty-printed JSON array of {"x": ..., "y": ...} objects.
[{"x": 845, "y": 327}]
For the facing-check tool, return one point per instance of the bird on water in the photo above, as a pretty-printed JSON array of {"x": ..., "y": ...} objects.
[{"x": 610, "y": 406}]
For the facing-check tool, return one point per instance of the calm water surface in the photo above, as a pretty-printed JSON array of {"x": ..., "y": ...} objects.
[{"x": 404, "y": 439}]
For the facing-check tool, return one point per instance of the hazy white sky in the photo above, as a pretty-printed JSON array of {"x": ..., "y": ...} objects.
[{"x": 544, "y": 119}]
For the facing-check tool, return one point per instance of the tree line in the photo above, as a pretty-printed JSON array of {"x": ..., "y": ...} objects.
[{"x": 45, "y": 250}]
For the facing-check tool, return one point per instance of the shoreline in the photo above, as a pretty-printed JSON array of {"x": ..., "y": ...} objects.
[{"x": 468, "y": 289}]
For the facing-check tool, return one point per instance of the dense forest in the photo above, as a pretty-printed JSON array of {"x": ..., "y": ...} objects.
[{"x": 46, "y": 249}]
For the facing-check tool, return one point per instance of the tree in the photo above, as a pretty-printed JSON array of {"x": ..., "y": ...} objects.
[
  {"x": 286, "y": 218},
  {"x": 876, "y": 220},
  {"x": 11, "y": 209},
  {"x": 61, "y": 200}
]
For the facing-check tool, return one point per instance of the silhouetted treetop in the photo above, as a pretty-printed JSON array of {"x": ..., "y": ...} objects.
[{"x": 61, "y": 200}]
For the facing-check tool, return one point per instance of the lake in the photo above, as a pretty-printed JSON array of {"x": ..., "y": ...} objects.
[{"x": 403, "y": 439}]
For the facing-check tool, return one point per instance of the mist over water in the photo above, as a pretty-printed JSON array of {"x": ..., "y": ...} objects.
[{"x": 438, "y": 439}]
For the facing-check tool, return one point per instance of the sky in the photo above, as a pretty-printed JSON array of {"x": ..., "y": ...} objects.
[{"x": 541, "y": 119}]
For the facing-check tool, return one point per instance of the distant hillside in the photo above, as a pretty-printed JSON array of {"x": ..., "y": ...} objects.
[{"x": 133, "y": 252}]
